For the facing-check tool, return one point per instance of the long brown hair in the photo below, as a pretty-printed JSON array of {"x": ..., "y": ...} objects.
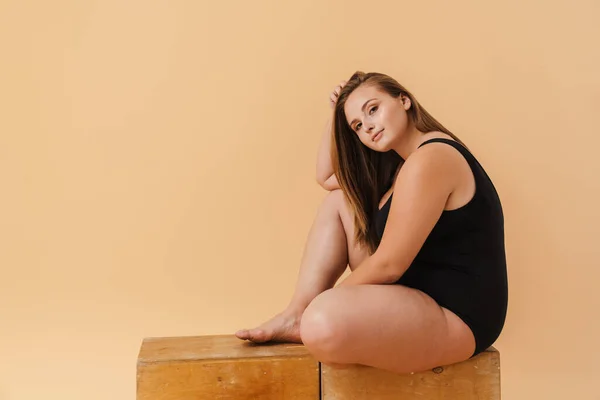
[{"x": 364, "y": 174}]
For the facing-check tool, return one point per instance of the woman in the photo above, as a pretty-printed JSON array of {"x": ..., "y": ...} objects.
[{"x": 420, "y": 224}]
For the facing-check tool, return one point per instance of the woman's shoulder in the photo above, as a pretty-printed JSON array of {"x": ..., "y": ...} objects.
[
  {"x": 434, "y": 135},
  {"x": 454, "y": 148},
  {"x": 434, "y": 158},
  {"x": 441, "y": 161}
]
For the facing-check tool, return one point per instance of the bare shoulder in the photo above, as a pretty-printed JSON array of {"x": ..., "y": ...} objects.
[
  {"x": 438, "y": 167},
  {"x": 436, "y": 164},
  {"x": 436, "y": 156}
]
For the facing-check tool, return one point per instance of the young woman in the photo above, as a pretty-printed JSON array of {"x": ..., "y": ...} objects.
[{"x": 421, "y": 226}]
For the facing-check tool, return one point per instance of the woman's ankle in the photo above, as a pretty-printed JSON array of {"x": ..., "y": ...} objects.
[{"x": 294, "y": 311}]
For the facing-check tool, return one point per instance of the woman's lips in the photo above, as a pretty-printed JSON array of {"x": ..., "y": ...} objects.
[{"x": 377, "y": 135}]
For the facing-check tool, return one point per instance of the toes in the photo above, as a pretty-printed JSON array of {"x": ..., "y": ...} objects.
[
  {"x": 258, "y": 336},
  {"x": 261, "y": 336},
  {"x": 249, "y": 334},
  {"x": 254, "y": 335},
  {"x": 242, "y": 334}
]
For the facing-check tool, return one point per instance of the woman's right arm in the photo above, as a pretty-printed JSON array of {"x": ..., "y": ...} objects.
[
  {"x": 325, "y": 175},
  {"x": 324, "y": 167}
]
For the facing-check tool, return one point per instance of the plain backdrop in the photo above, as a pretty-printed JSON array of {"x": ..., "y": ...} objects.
[{"x": 157, "y": 170}]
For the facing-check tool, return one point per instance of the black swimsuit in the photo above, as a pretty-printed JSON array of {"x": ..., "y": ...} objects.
[{"x": 462, "y": 264}]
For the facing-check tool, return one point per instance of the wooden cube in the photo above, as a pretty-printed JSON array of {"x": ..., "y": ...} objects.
[
  {"x": 224, "y": 367},
  {"x": 474, "y": 379}
]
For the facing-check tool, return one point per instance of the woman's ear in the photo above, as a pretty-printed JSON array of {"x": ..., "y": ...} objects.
[{"x": 405, "y": 102}]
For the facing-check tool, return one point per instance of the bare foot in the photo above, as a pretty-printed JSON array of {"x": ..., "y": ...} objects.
[{"x": 284, "y": 327}]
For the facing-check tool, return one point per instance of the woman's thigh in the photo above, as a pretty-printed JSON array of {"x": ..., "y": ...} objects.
[{"x": 392, "y": 327}]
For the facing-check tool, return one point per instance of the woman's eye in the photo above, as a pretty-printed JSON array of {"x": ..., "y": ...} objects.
[
  {"x": 372, "y": 109},
  {"x": 358, "y": 126}
]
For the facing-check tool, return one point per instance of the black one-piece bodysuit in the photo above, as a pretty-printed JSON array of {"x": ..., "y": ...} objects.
[{"x": 462, "y": 264}]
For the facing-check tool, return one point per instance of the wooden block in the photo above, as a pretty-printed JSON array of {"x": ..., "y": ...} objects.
[
  {"x": 224, "y": 367},
  {"x": 474, "y": 379}
]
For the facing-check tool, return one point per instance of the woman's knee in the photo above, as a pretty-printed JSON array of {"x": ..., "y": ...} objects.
[
  {"x": 318, "y": 328},
  {"x": 334, "y": 198}
]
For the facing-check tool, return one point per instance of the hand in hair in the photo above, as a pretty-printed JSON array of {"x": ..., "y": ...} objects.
[{"x": 335, "y": 94}]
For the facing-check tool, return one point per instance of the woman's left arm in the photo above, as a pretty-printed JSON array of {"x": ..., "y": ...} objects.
[{"x": 421, "y": 191}]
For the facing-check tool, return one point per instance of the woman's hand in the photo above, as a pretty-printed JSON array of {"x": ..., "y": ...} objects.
[{"x": 335, "y": 94}]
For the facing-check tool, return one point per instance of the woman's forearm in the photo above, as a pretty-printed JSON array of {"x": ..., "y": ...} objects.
[
  {"x": 324, "y": 166},
  {"x": 372, "y": 271}
]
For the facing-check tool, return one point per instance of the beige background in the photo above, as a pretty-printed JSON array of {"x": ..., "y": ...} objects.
[{"x": 157, "y": 162}]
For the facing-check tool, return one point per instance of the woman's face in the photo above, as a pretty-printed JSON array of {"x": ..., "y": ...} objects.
[{"x": 376, "y": 117}]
